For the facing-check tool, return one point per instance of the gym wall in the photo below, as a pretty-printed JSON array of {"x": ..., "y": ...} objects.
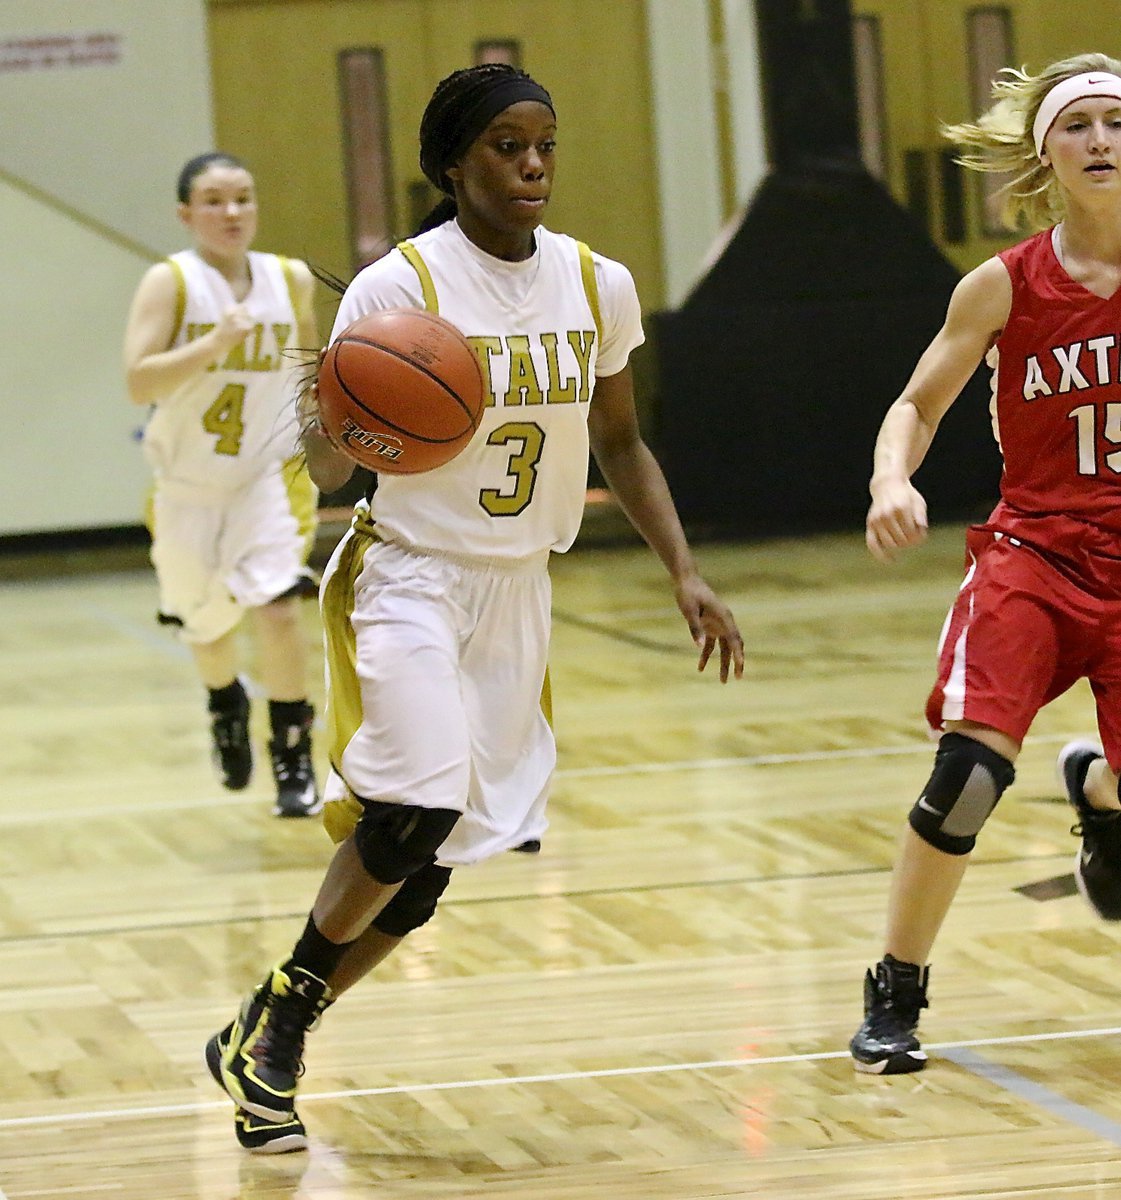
[{"x": 100, "y": 103}]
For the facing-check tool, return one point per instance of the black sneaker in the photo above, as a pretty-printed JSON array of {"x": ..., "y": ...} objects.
[
  {"x": 256, "y": 1134},
  {"x": 263, "y": 1058},
  {"x": 290, "y": 747},
  {"x": 1097, "y": 865},
  {"x": 893, "y": 998},
  {"x": 229, "y": 739},
  {"x": 531, "y": 846}
]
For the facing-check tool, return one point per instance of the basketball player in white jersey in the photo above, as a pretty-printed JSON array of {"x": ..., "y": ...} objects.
[
  {"x": 436, "y": 604},
  {"x": 216, "y": 342}
]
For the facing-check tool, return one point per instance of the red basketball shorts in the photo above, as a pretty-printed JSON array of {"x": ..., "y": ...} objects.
[{"x": 1019, "y": 634}]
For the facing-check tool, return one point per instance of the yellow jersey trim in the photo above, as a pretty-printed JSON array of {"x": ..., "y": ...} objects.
[
  {"x": 427, "y": 287},
  {"x": 344, "y": 697},
  {"x": 290, "y": 281},
  {"x": 591, "y": 288},
  {"x": 180, "y": 299}
]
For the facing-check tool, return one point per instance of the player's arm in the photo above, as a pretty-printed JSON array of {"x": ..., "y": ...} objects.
[
  {"x": 328, "y": 466},
  {"x": 152, "y": 370},
  {"x": 977, "y": 312},
  {"x": 633, "y": 474}
]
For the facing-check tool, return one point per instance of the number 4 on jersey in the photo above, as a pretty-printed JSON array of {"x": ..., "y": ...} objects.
[{"x": 223, "y": 419}]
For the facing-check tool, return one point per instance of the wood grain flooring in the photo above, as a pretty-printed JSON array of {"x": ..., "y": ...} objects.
[{"x": 656, "y": 1007}]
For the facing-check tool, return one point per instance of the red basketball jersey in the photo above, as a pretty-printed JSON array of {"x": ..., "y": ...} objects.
[{"x": 1058, "y": 406}]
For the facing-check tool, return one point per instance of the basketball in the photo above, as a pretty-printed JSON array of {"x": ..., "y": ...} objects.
[{"x": 400, "y": 391}]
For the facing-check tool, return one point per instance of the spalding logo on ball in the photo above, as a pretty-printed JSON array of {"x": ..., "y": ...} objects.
[{"x": 400, "y": 391}]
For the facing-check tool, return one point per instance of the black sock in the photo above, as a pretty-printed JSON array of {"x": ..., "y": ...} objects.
[
  {"x": 316, "y": 954},
  {"x": 228, "y": 698},
  {"x": 287, "y": 714}
]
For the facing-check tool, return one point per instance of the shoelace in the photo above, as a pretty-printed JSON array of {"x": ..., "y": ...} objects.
[
  {"x": 905, "y": 1003},
  {"x": 282, "y": 1040},
  {"x": 287, "y": 766},
  {"x": 228, "y": 731}
]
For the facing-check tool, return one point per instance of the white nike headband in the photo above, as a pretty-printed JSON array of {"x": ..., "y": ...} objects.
[{"x": 1062, "y": 95}]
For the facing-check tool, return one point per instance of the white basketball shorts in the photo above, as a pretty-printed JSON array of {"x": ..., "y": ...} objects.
[
  {"x": 217, "y": 554},
  {"x": 434, "y": 675}
]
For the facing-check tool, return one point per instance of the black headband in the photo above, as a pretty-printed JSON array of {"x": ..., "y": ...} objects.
[{"x": 454, "y": 139}]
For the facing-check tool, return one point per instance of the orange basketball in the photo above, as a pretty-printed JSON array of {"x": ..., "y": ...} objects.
[{"x": 400, "y": 391}]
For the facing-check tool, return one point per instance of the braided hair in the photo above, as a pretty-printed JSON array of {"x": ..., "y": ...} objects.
[
  {"x": 462, "y": 106},
  {"x": 194, "y": 167}
]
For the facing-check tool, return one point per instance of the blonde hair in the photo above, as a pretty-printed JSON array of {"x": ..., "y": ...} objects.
[{"x": 1000, "y": 140}]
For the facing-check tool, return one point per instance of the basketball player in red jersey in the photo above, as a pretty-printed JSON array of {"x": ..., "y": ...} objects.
[{"x": 1040, "y": 606}]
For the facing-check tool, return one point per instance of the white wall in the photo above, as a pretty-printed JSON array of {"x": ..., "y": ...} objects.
[
  {"x": 745, "y": 97},
  {"x": 96, "y": 118},
  {"x": 684, "y": 78}
]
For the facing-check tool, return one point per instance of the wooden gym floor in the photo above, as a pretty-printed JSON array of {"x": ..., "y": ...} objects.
[{"x": 654, "y": 1008}]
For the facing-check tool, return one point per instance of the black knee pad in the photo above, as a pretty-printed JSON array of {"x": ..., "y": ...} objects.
[
  {"x": 395, "y": 840},
  {"x": 415, "y": 901},
  {"x": 967, "y": 781}
]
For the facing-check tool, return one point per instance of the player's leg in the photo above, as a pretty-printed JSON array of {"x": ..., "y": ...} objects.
[
  {"x": 186, "y": 540},
  {"x": 282, "y": 669},
  {"x": 998, "y": 664},
  {"x": 1091, "y": 784},
  {"x": 412, "y": 906},
  {"x": 397, "y": 713},
  {"x": 926, "y": 876},
  {"x": 228, "y": 705},
  {"x": 973, "y": 766},
  {"x": 262, "y": 551}
]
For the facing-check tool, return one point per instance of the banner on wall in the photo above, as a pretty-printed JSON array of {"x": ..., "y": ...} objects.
[{"x": 54, "y": 51}]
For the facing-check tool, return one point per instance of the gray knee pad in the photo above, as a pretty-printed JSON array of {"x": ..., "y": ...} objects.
[
  {"x": 395, "y": 840},
  {"x": 967, "y": 781},
  {"x": 414, "y": 902}
]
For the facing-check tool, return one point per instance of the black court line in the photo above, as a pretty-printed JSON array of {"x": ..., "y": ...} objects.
[
  {"x": 517, "y": 898},
  {"x": 624, "y": 635}
]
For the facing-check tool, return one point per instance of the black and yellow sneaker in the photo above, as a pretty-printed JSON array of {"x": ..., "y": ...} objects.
[
  {"x": 264, "y": 1055},
  {"x": 1097, "y": 865},
  {"x": 885, "y": 1044},
  {"x": 230, "y": 748},
  {"x": 256, "y": 1134}
]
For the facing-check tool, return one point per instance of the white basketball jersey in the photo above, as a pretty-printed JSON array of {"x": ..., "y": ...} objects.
[
  {"x": 237, "y": 420},
  {"x": 518, "y": 488}
]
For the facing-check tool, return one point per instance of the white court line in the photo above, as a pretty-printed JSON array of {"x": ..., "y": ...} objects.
[
  {"x": 147, "y": 808},
  {"x": 402, "y": 1089},
  {"x": 160, "y": 640}
]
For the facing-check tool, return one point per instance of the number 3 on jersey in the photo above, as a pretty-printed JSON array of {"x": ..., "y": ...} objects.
[
  {"x": 223, "y": 419},
  {"x": 1086, "y": 418},
  {"x": 522, "y": 467}
]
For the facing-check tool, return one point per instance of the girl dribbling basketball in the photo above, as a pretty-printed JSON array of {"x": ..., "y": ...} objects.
[{"x": 436, "y": 603}]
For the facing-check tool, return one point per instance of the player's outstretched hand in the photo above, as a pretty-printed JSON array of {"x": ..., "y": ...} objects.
[
  {"x": 711, "y": 623},
  {"x": 896, "y": 520}
]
